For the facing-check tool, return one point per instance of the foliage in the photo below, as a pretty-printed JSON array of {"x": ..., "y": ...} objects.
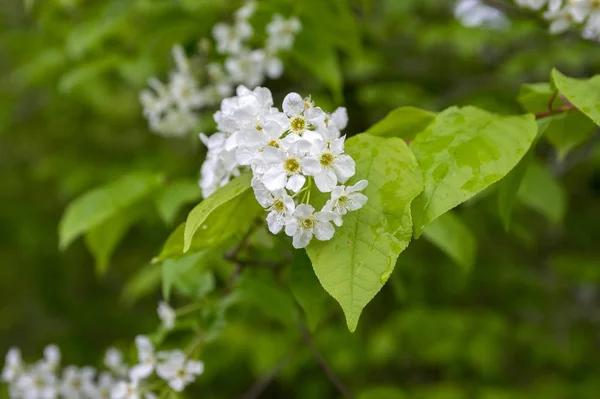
[{"x": 476, "y": 252}]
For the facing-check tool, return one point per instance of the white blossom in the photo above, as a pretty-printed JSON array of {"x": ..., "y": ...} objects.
[
  {"x": 177, "y": 370},
  {"x": 166, "y": 314},
  {"x": 475, "y": 13},
  {"x": 146, "y": 358},
  {"x": 113, "y": 360},
  {"x": 281, "y": 32},
  {"x": 13, "y": 366},
  {"x": 344, "y": 199},
  {"x": 75, "y": 382},
  {"x": 332, "y": 164},
  {"x": 306, "y": 223}
]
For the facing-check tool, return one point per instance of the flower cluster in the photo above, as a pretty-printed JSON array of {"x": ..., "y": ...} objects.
[
  {"x": 562, "y": 15},
  {"x": 475, "y": 13},
  {"x": 44, "y": 379},
  {"x": 287, "y": 152},
  {"x": 172, "y": 108}
]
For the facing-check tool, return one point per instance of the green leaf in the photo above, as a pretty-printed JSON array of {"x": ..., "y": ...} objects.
[
  {"x": 173, "y": 269},
  {"x": 359, "y": 259},
  {"x": 171, "y": 198},
  {"x": 144, "y": 283},
  {"x": 403, "y": 122},
  {"x": 104, "y": 238},
  {"x": 509, "y": 186},
  {"x": 268, "y": 297},
  {"x": 97, "y": 206},
  {"x": 454, "y": 238},
  {"x": 582, "y": 93},
  {"x": 308, "y": 292},
  {"x": 565, "y": 130},
  {"x": 569, "y": 130},
  {"x": 214, "y": 204},
  {"x": 462, "y": 152},
  {"x": 541, "y": 192}
]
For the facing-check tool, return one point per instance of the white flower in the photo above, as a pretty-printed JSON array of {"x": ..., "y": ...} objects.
[
  {"x": 285, "y": 168},
  {"x": 13, "y": 366},
  {"x": 178, "y": 371},
  {"x": 51, "y": 358},
  {"x": 146, "y": 358},
  {"x": 76, "y": 381},
  {"x": 113, "y": 360},
  {"x": 230, "y": 39},
  {"x": 126, "y": 390},
  {"x": 303, "y": 117},
  {"x": 344, "y": 199},
  {"x": 562, "y": 19},
  {"x": 278, "y": 203},
  {"x": 281, "y": 32},
  {"x": 37, "y": 383},
  {"x": 184, "y": 91},
  {"x": 246, "y": 67},
  {"x": 307, "y": 223},
  {"x": 246, "y": 11},
  {"x": 475, "y": 13},
  {"x": 166, "y": 314},
  {"x": 331, "y": 164},
  {"x": 104, "y": 387},
  {"x": 253, "y": 141}
]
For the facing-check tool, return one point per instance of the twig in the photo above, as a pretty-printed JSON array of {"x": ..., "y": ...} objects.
[
  {"x": 233, "y": 256},
  {"x": 551, "y": 102},
  {"x": 558, "y": 110},
  {"x": 333, "y": 378}
]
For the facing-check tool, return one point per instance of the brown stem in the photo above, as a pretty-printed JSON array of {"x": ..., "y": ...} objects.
[
  {"x": 557, "y": 110},
  {"x": 331, "y": 376}
]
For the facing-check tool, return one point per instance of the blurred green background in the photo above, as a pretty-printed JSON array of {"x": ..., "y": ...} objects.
[{"x": 522, "y": 323}]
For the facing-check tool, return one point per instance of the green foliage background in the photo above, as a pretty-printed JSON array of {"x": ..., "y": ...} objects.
[{"x": 522, "y": 322}]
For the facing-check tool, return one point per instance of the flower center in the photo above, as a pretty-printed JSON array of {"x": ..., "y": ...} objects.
[
  {"x": 326, "y": 159},
  {"x": 343, "y": 200},
  {"x": 298, "y": 124},
  {"x": 308, "y": 223},
  {"x": 291, "y": 165},
  {"x": 279, "y": 206}
]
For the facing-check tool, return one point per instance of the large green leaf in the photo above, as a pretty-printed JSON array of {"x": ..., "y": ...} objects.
[
  {"x": 403, "y": 122},
  {"x": 359, "y": 259},
  {"x": 222, "y": 206},
  {"x": 541, "y": 192},
  {"x": 461, "y": 153},
  {"x": 171, "y": 198},
  {"x": 454, "y": 238},
  {"x": 582, "y": 93},
  {"x": 104, "y": 238},
  {"x": 97, "y": 206}
]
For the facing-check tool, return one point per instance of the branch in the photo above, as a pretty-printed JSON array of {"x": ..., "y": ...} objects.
[{"x": 333, "y": 378}]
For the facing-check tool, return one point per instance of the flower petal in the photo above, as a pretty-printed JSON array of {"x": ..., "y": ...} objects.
[
  {"x": 326, "y": 181},
  {"x": 293, "y": 104},
  {"x": 324, "y": 230}
]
